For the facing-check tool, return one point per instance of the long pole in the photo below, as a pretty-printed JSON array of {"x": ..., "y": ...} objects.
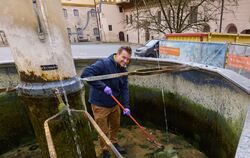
[
  {"x": 221, "y": 14},
  {"x": 150, "y": 137}
]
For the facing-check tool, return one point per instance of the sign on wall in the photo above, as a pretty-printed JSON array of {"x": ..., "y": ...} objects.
[
  {"x": 169, "y": 50},
  {"x": 199, "y": 52}
]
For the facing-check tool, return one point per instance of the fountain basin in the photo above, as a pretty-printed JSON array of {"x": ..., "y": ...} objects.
[{"x": 207, "y": 105}]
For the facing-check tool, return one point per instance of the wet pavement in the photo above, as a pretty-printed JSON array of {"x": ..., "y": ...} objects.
[{"x": 88, "y": 49}]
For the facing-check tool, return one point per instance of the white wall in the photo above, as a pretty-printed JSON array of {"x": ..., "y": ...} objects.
[
  {"x": 240, "y": 17},
  {"x": 111, "y": 15}
]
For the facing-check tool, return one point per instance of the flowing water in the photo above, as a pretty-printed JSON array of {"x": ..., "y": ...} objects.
[
  {"x": 76, "y": 138},
  {"x": 165, "y": 112},
  {"x": 163, "y": 98}
]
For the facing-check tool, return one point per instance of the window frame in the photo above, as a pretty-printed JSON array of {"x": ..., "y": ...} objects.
[
  {"x": 193, "y": 17},
  {"x": 159, "y": 17},
  {"x": 96, "y": 31},
  {"x": 69, "y": 31},
  {"x": 120, "y": 9},
  {"x": 93, "y": 13},
  {"x": 79, "y": 31},
  {"x": 65, "y": 12},
  {"x": 76, "y": 12},
  {"x": 127, "y": 19},
  {"x": 110, "y": 27}
]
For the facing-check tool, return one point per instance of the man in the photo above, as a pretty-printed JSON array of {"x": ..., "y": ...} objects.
[{"x": 106, "y": 111}]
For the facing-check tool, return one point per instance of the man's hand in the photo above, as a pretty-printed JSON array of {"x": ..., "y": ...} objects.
[
  {"x": 126, "y": 112},
  {"x": 107, "y": 90}
]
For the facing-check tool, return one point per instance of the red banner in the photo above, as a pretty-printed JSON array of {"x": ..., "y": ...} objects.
[{"x": 238, "y": 61}]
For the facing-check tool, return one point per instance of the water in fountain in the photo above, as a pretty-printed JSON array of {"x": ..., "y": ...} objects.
[{"x": 163, "y": 98}]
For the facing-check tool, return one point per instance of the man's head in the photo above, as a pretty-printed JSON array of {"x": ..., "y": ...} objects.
[{"x": 123, "y": 56}]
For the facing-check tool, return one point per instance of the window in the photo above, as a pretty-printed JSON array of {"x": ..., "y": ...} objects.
[
  {"x": 169, "y": 14},
  {"x": 3, "y": 38},
  {"x": 159, "y": 17},
  {"x": 69, "y": 31},
  {"x": 110, "y": 27},
  {"x": 65, "y": 12},
  {"x": 120, "y": 9},
  {"x": 193, "y": 14},
  {"x": 247, "y": 31},
  {"x": 96, "y": 32},
  {"x": 206, "y": 28},
  {"x": 127, "y": 19},
  {"x": 79, "y": 31},
  {"x": 131, "y": 19},
  {"x": 93, "y": 13},
  {"x": 76, "y": 12},
  {"x": 231, "y": 28}
]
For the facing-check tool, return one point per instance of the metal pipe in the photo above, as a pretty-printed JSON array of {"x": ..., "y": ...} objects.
[
  {"x": 137, "y": 16},
  {"x": 97, "y": 21},
  {"x": 221, "y": 14}
]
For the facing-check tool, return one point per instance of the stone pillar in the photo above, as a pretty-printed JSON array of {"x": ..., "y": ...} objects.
[{"x": 39, "y": 43}]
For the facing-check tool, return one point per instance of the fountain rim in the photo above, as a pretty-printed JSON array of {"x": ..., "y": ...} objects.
[{"x": 238, "y": 80}]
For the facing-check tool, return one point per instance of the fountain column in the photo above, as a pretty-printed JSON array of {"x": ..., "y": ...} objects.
[{"x": 39, "y": 43}]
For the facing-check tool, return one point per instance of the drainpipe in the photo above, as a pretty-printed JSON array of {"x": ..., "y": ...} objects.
[
  {"x": 39, "y": 43},
  {"x": 97, "y": 21}
]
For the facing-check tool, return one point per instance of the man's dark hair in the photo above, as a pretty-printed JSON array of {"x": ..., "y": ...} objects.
[{"x": 126, "y": 48}]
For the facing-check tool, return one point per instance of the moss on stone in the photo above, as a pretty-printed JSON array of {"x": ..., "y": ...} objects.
[
  {"x": 204, "y": 128},
  {"x": 15, "y": 125},
  {"x": 40, "y": 109},
  {"x": 63, "y": 135}
]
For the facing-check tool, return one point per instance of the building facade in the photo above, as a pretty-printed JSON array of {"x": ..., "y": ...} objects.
[
  {"x": 91, "y": 20},
  {"x": 111, "y": 20},
  {"x": 236, "y": 20},
  {"x": 81, "y": 20}
]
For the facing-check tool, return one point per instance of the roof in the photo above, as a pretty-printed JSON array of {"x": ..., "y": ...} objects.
[
  {"x": 91, "y": 2},
  {"x": 78, "y": 2}
]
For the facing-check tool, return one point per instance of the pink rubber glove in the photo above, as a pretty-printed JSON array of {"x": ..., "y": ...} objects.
[
  {"x": 126, "y": 112},
  {"x": 107, "y": 90}
]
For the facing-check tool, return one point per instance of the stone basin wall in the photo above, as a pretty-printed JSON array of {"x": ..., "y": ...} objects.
[{"x": 203, "y": 105}]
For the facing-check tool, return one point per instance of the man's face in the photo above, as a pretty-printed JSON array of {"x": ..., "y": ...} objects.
[{"x": 123, "y": 58}]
